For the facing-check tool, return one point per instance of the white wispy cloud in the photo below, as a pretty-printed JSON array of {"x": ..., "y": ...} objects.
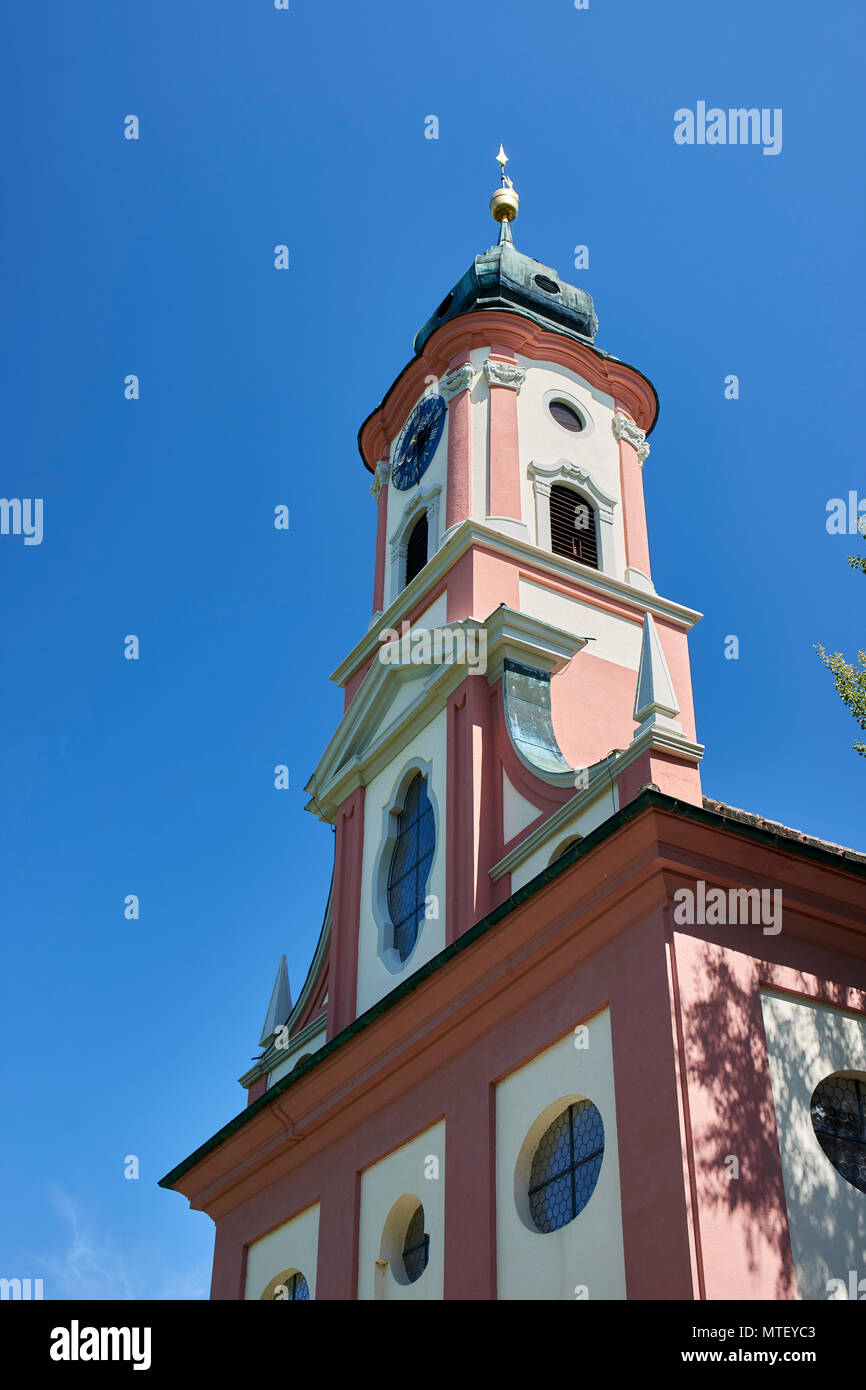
[{"x": 91, "y": 1267}]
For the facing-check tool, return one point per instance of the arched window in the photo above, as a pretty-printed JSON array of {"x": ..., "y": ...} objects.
[
  {"x": 416, "y": 548},
  {"x": 566, "y": 1166},
  {"x": 416, "y": 1246},
  {"x": 294, "y": 1289},
  {"x": 839, "y": 1121},
  {"x": 410, "y": 866},
  {"x": 572, "y": 526}
]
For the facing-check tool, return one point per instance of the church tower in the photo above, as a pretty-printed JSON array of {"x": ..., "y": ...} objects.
[
  {"x": 506, "y": 464},
  {"x": 496, "y": 1079}
]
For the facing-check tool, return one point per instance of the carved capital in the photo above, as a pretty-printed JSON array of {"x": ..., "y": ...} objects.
[
  {"x": 624, "y": 428},
  {"x": 455, "y": 382},
  {"x": 504, "y": 374},
  {"x": 380, "y": 477}
]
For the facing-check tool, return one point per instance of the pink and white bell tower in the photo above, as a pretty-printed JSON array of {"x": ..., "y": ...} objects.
[
  {"x": 515, "y": 448},
  {"x": 548, "y": 1014}
]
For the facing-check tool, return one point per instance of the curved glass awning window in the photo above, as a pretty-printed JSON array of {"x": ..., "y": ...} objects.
[
  {"x": 411, "y": 862},
  {"x": 527, "y": 711}
]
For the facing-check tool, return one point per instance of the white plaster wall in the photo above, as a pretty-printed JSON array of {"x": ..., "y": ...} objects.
[
  {"x": 298, "y": 1050},
  {"x": 374, "y": 979},
  {"x": 402, "y": 1173},
  {"x": 434, "y": 615},
  {"x": 591, "y": 815},
  {"x": 293, "y": 1246},
  {"x": 615, "y": 639},
  {"x": 588, "y": 1252},
  {"x": 806, "y": 1042},
  {"x": 517, "y": 811}
]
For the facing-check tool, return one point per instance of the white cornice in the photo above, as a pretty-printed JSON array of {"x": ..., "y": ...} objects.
[
  {"x": 364, "y": 742},
  {"x": 528, "y": 640},
  {"x": 275, "y": 1056},
  {"x": 424, "y": 500},
  {"x": 342, "y": 768},
  {"x": 545, "y": 475},
  {"x": 558, "y": 822},
  {"x": 471, "y": 533},
  {"x": 601, "y": 775}
]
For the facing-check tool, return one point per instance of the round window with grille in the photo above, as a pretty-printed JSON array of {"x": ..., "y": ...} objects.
[
  {"x": 839, "y": 1121},
  {"x": 565, "y": 1166},
  {"x": 416, "y": 1246}
]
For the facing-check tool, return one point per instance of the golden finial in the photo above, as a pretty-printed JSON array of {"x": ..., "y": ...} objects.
[{"x": 505, "y": 202}]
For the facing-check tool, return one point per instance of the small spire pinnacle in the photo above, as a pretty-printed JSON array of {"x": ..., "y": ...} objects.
[
  {"x": 655, "y": 703},
  {"x": 505, "y": 202},
  {"x": 280, "y": 1005}
]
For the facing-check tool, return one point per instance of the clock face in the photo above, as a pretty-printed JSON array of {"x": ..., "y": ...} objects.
[{"x": 418, "y": 442}]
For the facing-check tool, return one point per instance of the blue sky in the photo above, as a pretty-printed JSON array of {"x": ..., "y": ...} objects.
[{"x": 155, "y": 257}]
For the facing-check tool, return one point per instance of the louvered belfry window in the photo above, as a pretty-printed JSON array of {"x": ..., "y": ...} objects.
[
  {"x": 416, "y": 549},
  {"x": 572, "y": 526}
]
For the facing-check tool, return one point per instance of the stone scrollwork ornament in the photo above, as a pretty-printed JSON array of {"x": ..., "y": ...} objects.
[
  {"x": 504, "y": 374},
  {"x": 455, "y": 382},
  {"x": 624, "y": 428}
]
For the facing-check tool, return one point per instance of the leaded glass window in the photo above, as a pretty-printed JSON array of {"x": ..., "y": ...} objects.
[
  {"x": 839, "y": 1122},
  {"x": 566, "y": 1166},
  {"x": 297, "y": 1289},
  {"x": 410, "y": 866},
  {"x": 416, "y": 1246}
]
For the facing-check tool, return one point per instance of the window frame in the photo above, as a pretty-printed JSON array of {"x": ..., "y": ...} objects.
[
  {"x": 566, "y": 473},
  {"x": 386, "y": 950},
  {"x": 422, "y": 500},
  {"x": 579, "y": 500}
]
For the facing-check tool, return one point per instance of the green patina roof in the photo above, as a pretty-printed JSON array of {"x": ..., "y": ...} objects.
[{"x": 503, "y": 278}]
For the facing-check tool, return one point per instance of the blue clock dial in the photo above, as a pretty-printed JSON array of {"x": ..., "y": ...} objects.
[{"x": 418, "y": 442}]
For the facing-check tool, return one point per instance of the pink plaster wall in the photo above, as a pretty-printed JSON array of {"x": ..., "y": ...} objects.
[
  {"x": 458, "y": 497},
  {"x": 504, "y": 450}
]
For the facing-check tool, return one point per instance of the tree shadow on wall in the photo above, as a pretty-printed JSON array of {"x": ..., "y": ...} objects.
[{"x": 727, "y": 1048}]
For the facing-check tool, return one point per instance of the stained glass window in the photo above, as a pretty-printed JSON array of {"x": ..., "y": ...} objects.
[
  {"x": 416, "y": 1246},
  {"x": 410, "y": 866},
  {"x": 297, "y": 1289}
]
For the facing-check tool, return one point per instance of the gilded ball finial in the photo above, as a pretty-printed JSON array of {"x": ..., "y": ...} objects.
[{"x": 505, "y": 202}]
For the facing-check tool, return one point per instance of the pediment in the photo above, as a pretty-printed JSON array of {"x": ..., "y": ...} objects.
[{"x": 395, "y": 699}]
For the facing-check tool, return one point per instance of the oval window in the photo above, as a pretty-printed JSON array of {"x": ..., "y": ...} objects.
[{"x": 566, "y": 415}]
